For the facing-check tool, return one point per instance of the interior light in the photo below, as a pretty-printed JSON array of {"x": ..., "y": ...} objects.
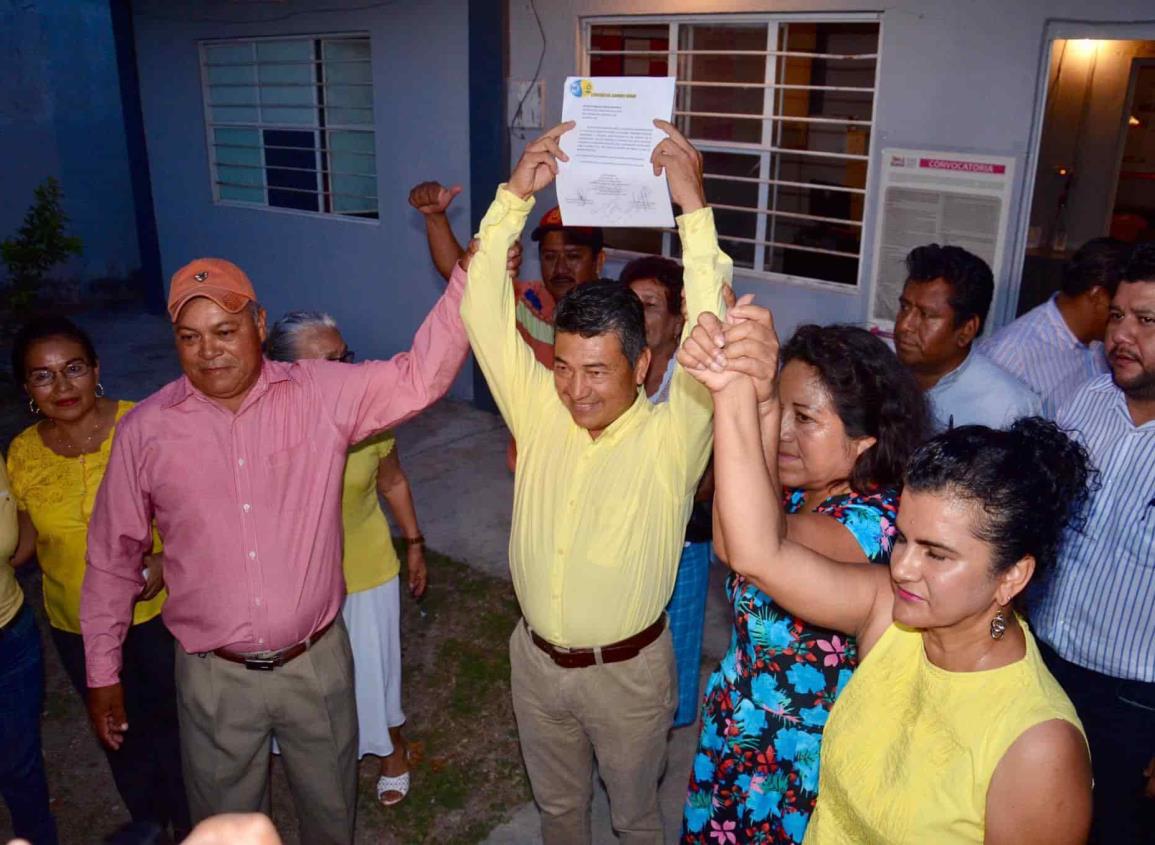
[{"x": 1134, "y": 121}]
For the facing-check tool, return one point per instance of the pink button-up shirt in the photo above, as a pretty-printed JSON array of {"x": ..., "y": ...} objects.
[{"x": 248, "y": 504}]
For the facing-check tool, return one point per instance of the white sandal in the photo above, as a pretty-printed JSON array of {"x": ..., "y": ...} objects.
[{"x": 398, "y": 783}]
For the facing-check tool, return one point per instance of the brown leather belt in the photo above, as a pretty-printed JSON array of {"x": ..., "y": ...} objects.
[
  {"x": 268, "y": 660},
  {"x": 579, "y": 658}
]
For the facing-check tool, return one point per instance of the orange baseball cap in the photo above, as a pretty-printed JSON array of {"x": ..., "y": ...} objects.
[
  {"x": 221, "y": 281},
  {"x": 551, "y": 221}
]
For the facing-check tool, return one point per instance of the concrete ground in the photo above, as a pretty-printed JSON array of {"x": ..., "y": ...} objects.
[{"x": 454, "y": 456}]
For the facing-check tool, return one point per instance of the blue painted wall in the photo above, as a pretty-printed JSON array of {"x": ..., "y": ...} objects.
[
  {"x": 60, "y": 115},
  {"x": 375, "y": 277}
]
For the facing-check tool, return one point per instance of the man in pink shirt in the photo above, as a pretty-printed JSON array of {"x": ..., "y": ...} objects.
[{"x": 240, "y": 462}]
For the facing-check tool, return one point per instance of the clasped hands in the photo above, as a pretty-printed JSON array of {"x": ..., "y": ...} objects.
[{"x": 742, "y": 348}]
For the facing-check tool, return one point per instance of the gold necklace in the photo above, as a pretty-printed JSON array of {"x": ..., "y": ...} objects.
[{"x": 70, "y": 445}]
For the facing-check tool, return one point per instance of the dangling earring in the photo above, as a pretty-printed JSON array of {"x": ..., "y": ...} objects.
[
  {"x": 998, "y": 626},
  {"x": 99, "y": 390},
  {"x": 32, "y": 407}
]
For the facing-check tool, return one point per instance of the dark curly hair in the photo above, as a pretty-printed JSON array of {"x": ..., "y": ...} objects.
[
  {"x": 1032, "y": 481},
  {"x": 970, "y": 278},
  {"x": 601, "y": 307},
  {"x": 42, "y": 328},
  {"x": 873, "y": 394}
]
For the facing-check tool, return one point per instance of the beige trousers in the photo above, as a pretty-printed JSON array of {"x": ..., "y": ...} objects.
[
  {"x": 229, "y": 714},
  {"x": 620, "y": 712}
]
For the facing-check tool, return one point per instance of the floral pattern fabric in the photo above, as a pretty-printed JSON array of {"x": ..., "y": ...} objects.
[{"x": 755, "y": 776}]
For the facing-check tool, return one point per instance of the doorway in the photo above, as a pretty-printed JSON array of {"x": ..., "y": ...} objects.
[{"x": 1096, "y": 164}]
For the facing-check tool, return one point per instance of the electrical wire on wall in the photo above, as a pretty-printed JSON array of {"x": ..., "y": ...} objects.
[{"x": 533, "y": 82}]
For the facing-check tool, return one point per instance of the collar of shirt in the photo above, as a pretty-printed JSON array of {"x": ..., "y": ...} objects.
[
  {"x": 954, "y": 375},
  {"x": 1116, "y": 403},
  {"x": 626, "y": 422},
  {"x": 1058, "y": 326},
  {"x": 271, "y": 373}
]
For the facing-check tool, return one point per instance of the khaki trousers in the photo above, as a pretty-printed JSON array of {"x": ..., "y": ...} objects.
[
  {"x": 229, "y": 714},
  {"x": 620, "y": 712}
]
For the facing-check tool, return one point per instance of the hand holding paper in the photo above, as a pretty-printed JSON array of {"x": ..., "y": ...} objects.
[
  {"x": 538, "y": 166},
  {"x": 683, "y": 167}
]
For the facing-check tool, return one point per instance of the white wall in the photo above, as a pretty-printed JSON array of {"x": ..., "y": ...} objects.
[
  {"x": 952, "y": 75},
  {"x": 375, "y": 277}
]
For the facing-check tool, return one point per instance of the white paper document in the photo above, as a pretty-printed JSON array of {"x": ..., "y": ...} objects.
[{"x": 608, "y": 180}]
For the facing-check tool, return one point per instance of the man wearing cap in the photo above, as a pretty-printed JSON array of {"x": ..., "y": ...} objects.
[
  {"x": 569, "y": 256},
  {"x": 240, "y": 463}
]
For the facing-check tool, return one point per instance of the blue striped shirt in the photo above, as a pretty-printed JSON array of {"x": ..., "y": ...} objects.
[
  {"x": 1040, "y": 349},
  {"x": 1098, "y": 608}
]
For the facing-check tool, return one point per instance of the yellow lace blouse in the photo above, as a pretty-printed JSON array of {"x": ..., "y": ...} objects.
[{"x": 58, "y": 494}]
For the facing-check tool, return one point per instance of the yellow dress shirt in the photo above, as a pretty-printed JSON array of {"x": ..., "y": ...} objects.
[
  {"x": 597, "y": 524},
  {"x": 11, "y": 596},
  {"x": 58, "y": 493},
  {"x": 370, "y": 559}
]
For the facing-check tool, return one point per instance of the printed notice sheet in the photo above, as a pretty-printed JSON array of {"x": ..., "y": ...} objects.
[
  {"x": 609, "y": 180},
  {"x": 961, "y": 199}
]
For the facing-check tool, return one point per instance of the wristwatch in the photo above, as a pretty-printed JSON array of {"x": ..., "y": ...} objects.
[{"x": 419, "y": 540}]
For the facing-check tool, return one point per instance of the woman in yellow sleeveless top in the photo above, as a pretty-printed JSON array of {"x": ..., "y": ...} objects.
[
  {"x": 56, "y": 467},
  {"x": 951, "y": 730}
]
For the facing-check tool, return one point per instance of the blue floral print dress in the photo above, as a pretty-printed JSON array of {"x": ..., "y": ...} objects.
[{"x": 755, "y": 776}]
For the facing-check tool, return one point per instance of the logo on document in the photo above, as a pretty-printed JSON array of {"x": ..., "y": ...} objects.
[{"x": 581, "y": 87}]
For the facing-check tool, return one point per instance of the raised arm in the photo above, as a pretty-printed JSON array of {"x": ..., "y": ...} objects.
[
  {"x": 814, "y": 587},
  {"x": 708, "y": 271},
  {"x": 518, "y": 383},
  {"x": 433, "y": 199}
]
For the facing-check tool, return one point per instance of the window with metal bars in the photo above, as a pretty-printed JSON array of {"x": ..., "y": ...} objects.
[
  {"x": 781, "y": 109},
  {"x": 290, "y": 123}
]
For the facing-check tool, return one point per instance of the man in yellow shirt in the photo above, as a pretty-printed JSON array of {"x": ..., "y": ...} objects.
[
  {"x": 22, "y": 780},
  {"x": 603, "y": 489}
]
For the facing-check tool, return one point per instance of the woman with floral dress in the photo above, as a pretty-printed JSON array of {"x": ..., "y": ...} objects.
[{"x": 851, "y": 416}]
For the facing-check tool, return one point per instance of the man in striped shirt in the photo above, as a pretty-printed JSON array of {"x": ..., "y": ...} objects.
[
  {"x": 1057, "y": 346},
  {"x": 1095, "y": 618}
]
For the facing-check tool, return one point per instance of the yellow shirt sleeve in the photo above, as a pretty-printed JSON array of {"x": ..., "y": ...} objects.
[
  {"x": 690, "y": 409},
  {"x": 518, "y": 383},
  {"x": 11, "y": 596}
]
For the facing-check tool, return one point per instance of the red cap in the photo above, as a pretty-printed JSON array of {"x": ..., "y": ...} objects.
[
  {"x": 214, "y": 278},
  {"x": 551, "y": 222}
]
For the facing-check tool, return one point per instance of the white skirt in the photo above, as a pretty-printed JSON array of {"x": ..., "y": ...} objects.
[{"x": 373, "y": 618}]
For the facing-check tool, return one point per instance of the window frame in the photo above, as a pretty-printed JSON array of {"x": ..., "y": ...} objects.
[
  {"x": 765, "y": 149},
  {"x": 314, "y": 128}
]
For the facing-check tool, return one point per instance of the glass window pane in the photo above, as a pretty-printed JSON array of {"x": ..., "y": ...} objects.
[
  {"x": 287, "y": 95},
  {"x": 233, "y": 95},
  {"x": 294, "y": 74},
  {"x": 231, "y": 74},
  {"x": 237, "y": 155},
  {"x": 234, "y": 114},
  {"x": 349, "y": 117},
  {"x": 652, "y": 41},
  {"x": 349, "y": 96},
  {"x": 296, "y": 50},
  {"x": 239, "y": 175},
  {"x": 349, "y": 72},
  {"x": 357, "y": 190},
  {"x": 352, "y": 142},
  {"x": 291, "y": 115},
  {"x": 236, "y": 193},
  {"x": 234, "y": 53},
  {"x": 352, "y": 165},
  {"x": 238, "y": 137},
  {"x": 345, "y": 49}
]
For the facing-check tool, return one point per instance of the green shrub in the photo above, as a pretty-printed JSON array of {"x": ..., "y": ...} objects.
[{"x": 41, "y": 243}]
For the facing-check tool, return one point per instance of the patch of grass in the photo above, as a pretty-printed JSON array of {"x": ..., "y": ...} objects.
[{"x": 468, "y": 774}]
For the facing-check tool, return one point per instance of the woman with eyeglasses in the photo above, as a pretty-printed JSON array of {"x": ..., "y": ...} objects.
[
  {"x": 55, "y": 467},
  {"x": 372, "y": 609}
]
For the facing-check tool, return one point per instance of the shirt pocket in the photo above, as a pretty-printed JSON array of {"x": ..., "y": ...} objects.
[{"x": 291, "y": 477}]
